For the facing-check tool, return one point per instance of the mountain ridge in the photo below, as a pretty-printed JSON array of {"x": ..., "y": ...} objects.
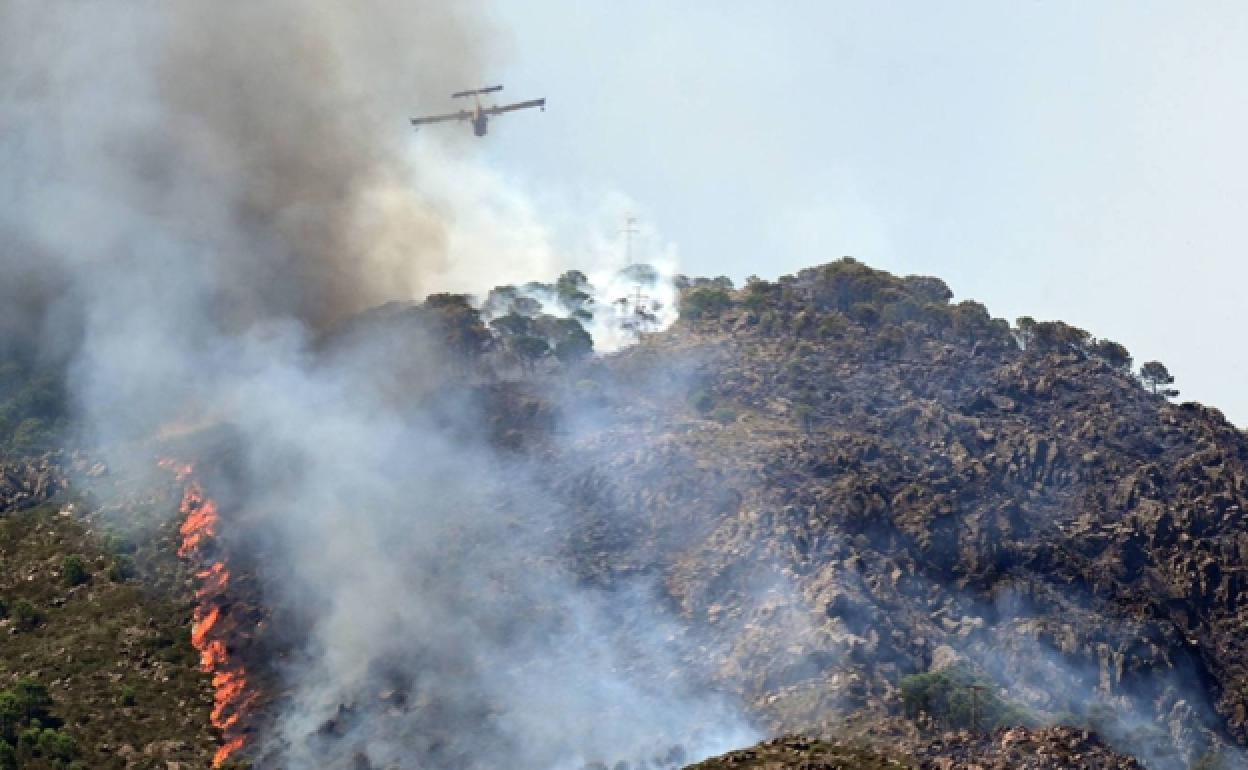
[{"x": 881, "y": 517}]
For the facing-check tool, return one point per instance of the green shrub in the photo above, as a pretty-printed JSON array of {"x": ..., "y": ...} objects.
[
  {"x": 28, "y": 741},
  {"x": 122, "y": 569},
  {"x": 1113, "y": 353},
  {"x": 54, "y": 744},
  {"x": 702, "y": 400},
  {"x": 756, "y": 300},
  {"x": 833, "y": 325},
  {"x": 31, "y": 435},
  {"x": 959, "y": 699},
  {"x": 704, "y": 303},
  {"x": 8, "y": 757},
  {"x": 129, "y": 696},
  {"x": 864, "y": 313},
  {"x": 890, "y": 341},
  {"x": 12, "y": 712},
  {"x": 33, "y": 698},
  {"x": 25, "y": 615},
  {"x": 74, "y": 570},
  {"x": 119, "y": 544},
  {"x": 32, "y": 406}
]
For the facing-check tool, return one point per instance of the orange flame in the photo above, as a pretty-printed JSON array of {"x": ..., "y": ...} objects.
[
  {"x": 231, "y": 696},
  {"x": 227, "y": 750}
]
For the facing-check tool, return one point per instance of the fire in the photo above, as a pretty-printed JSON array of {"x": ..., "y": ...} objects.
[
  {"x": 210, "y": 625},
  {"x": 226, "y": 751},
  {"x": 201, "y": 520}
]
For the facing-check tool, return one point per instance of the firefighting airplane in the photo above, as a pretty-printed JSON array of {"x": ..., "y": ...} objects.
[{"x": 479, "y": 115}]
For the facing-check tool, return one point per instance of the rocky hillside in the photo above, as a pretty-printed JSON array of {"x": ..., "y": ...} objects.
[
  {"x": 863, "y": 483},
  {"x": 934, "y": 538},
  {"x": 1055, "y": 748}
]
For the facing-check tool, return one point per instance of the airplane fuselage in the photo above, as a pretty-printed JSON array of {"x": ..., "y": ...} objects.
[{"x": 479, "y": 115}]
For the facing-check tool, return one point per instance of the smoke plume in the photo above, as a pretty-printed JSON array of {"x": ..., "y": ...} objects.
[{"x": 192, "y": 193}]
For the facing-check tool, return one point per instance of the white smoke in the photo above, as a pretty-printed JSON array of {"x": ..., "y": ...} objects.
[{"x": 192, "y": 193}]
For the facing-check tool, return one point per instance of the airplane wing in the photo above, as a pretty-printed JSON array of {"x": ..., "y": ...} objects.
[
  {"x": 516, "y": 106},
  {"x": 461, "y": 115}
]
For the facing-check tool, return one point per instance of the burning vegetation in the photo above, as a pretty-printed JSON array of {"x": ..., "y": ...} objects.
[{"x": 211, "y": 621}]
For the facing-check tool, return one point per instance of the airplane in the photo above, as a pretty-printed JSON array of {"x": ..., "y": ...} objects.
[{"x": 479, "y": 115}]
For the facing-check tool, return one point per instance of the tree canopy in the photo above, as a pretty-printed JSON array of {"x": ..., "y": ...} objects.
[{"x": 1158, "y": 377}]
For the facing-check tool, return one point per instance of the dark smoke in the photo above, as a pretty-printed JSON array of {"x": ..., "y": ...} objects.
[
  {"x": 254, "y": 154},
  {"x": 191, "y": 194}
]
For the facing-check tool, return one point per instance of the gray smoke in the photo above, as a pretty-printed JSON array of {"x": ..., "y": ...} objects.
[
  {"x": 174, "y": 175},
  {"x": 190, "y": 194}
]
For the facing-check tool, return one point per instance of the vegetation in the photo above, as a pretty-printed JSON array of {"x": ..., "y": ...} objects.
[
  {"x": 34, "y": 406},
  {"x": 793, "y": 751},
  {"x": 458, "y": 324},
  {"x": 524, "y": 331},
  {"x": 114, "y": 661},
  {"x": 25, "y": 615},
  {"x": 28, "y": 731},
  {"x": 1113, "y": 354},
  {"x": 1158, "y": 377},
  {"x": 704, "y": 303},
  {"x": 74, "y": 570},
  {"x": 957, "y": 698}
]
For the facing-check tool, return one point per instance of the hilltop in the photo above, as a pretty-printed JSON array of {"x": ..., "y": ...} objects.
[
  {"x": 927, "y": 535},
  {"x": 892, "y": 490}
]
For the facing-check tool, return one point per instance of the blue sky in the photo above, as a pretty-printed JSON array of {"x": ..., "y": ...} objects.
[{"x": 1072, "y": 160}]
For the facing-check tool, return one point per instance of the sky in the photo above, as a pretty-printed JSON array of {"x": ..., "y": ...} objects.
[{"x": 1065, "y": 160}]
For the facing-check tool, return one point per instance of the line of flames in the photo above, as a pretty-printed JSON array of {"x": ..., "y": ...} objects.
[{"x": 231, "y": 695}]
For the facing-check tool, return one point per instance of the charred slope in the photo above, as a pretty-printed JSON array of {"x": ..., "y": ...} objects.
[
  {"x": 847, "y": 480},
  {"x": 1021, "y": 749}
]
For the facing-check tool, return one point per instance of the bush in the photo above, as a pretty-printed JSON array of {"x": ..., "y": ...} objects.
[
  {"x": 119, "y": 544},
  {"x": 129, "y": 696},
  {"x": 122, "y": 569},
  {"x": 1114, "y": 354},
  {"x": 833, "y": 325},
  {"x": 12, "y": 712},
  {"x": 25, "y": 615},
  {"x": 54, "y": 744},
  {"x": 890, "y": 341},
  {"x": 33, "y": 406},
  {"x": 31, "y": 435},
  {"x": 864, "y": 313},
  {"x": 74, "y": 570},
  {"x": 959, "y": 699},
  {"x": 33, "y": 697},
  {"x": 702, "y": 400},
  {"x": 928, "y": 288},
  {"x": 704, "y": 303}
]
